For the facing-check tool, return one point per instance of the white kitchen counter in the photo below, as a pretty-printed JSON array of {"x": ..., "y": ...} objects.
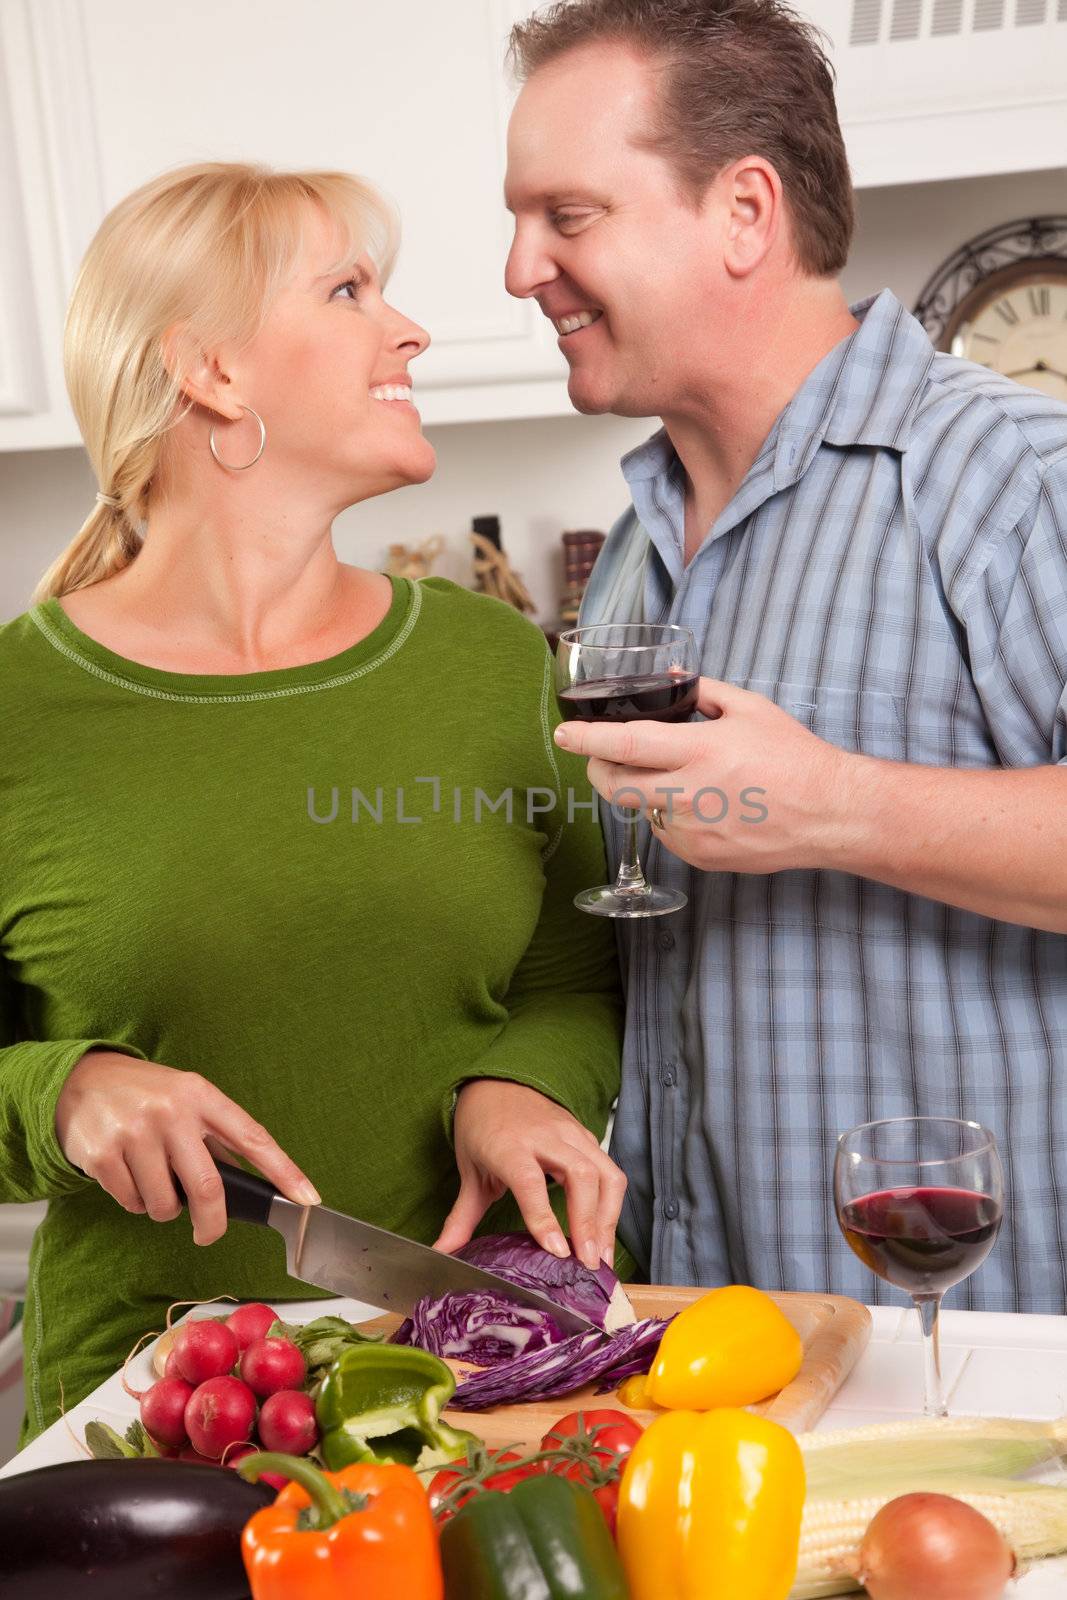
[{"x": 993, "y": 1363}]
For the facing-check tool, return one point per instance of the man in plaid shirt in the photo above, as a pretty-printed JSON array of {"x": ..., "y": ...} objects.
[{"x": 869, "y": 541}]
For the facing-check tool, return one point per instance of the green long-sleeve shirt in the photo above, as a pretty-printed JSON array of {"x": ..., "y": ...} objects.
[{"x": 193, "y": 870}]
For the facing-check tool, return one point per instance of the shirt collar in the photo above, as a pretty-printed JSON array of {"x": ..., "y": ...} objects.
[
  {"x": 648, "y": 460},
  {"x": 865, "y": 391}
]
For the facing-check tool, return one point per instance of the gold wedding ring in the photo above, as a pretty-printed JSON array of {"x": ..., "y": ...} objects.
[{"x": 657, "y": 818}]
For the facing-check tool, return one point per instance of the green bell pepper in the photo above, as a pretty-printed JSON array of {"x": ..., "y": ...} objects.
[
  {"x": 545, "y": 1539},
  {"x": 382, "y": 1402}
]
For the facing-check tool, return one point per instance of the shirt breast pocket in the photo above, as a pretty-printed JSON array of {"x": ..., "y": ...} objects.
[
  {"x": 821, "y": 905},
  {"x": 866, "y": 721}
]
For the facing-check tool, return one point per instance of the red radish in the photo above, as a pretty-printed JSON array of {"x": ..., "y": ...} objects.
[
  {"x": 189, "y": 1454},
  {"x": 204, "y": 1349},
  {"x": 275, "y": 1479},
  {"x": 272, "y": 1364},
  {"x": 251, "y": 1322},
  {"x": 170, "y": 1366},
  {"x": 220, "y": 1412},
  {"x": 287, "y": 1422},
  {"x": 163, "y": 1411}
]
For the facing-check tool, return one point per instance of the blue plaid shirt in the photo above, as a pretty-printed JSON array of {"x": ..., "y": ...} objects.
[{"x": 893, "y": 572}]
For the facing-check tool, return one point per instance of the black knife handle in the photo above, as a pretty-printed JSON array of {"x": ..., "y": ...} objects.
[{"x": 248, "y": 1198}]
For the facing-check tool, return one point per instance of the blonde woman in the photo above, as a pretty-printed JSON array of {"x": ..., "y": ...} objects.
[{"x": 250, "y": 901}]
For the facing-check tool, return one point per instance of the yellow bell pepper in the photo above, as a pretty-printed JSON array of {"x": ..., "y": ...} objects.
[
  {"x": 731, "y": 1347},
  {"x": 633, "y": 1393},
  {"x": 710, "y": 1505}
]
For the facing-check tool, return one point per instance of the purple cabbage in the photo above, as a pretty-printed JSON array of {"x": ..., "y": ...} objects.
[
  {"x": 564, "y": 1367},
  {"x": 523, "y": 1353},
  {"x": 481, "y": 1328},
  {"x": 519, "y": 1258},
  {"x": 488, "y": 1329}
]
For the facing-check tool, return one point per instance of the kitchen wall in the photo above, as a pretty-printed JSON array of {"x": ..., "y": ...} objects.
[{"x": 543, "y": 476}]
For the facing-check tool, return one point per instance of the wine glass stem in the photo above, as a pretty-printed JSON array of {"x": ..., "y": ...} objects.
[
  {"x": 929, "y": 1309},
  {"x": 630, "y": 879}
]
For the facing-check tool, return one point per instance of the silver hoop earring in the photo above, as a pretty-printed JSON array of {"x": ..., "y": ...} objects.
[{"x": 246, "y": 464}]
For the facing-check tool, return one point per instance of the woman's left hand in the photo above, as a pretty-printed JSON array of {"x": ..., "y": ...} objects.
[{"x": 510, "y": 1137}]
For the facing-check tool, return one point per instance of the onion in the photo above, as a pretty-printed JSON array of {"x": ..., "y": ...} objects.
[
  {"x": 164, "y": 1347},
  {"x": 936, "y": 1547}
]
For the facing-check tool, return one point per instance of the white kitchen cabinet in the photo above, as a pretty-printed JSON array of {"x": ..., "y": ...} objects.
[
  {"x": 931, "y": 89},
  {"x": 98, "y": 95},
  {"x": 49, "y": 205}
]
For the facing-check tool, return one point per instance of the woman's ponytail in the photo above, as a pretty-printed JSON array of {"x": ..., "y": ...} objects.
[{"x": 104, "y": 544}]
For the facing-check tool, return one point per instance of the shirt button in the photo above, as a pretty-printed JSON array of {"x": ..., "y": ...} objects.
[
  {"x": 668, "y": 1075},
  {"x": 670, "y": 1209},
  {"x": 665, "y": 940}
]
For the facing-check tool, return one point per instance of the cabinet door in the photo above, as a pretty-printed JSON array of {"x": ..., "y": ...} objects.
[
  {"x": 50, "y": 203},
  {"x": 412, "y": 94},
  {"x": 931, "y": 89}
]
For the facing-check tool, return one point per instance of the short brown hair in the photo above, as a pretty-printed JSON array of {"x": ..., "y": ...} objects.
[{"x": 743, "y": 77}]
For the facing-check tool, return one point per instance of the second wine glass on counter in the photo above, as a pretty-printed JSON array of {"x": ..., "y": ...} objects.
[
  {"x": 920, "y": 1201},
  {"x": 628, "y": 672}
]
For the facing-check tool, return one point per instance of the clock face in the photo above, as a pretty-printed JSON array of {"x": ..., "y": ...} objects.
[{"x": 1018, "y": 327}]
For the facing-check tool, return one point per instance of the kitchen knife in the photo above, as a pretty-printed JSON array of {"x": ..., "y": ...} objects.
[{"x": 353, "y": 1258}]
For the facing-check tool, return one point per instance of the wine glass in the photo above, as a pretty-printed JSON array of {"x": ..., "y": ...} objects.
[
  {"x": 628, "y": 672},
  {"x": 920, "y": 1201}
]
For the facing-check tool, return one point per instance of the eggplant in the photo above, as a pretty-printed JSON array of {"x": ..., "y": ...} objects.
[{"x": 126, "y": 1530}]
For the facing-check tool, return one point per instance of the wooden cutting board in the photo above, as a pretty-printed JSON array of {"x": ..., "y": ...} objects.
[{"x": 834, "y": 1331}]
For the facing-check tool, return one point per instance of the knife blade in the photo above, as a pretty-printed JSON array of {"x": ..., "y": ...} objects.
[{"x": 356, "y": 1259}]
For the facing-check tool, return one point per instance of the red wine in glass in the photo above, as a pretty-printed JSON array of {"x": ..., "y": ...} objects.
[
  {"x": 920, "y": 1201},
  {"x": 922, "y": 1240},
  {"x": 653, "y": 697},
  {"x": 628, "y": 672}
]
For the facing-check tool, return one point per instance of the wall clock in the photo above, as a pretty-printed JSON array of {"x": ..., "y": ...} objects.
[{"x": 1001, "y": 300}]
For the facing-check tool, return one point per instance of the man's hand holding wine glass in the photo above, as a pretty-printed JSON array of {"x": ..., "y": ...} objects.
[{"x": 751, "y": 789}]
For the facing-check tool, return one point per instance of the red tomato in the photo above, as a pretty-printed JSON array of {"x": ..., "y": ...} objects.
[
  {"x": 592, "y": 1436},
  {"x": 451, "y": 1478},
  {"x": 607, "y": 1498},
  {"x": 596, "y": 1445}
]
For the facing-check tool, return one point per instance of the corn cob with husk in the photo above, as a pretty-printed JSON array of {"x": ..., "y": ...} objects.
[
  {"x": 839, "y": 1460},
  {"x": 852, "y": 1473}
]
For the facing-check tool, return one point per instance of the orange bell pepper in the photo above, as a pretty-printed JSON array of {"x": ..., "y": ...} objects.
[
  {"x": 367, "y": 1531},
  {"x": 731, "y": 1347}
]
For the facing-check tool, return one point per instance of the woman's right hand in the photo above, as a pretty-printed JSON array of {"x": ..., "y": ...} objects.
[{"x": 128, "y": 1123}]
